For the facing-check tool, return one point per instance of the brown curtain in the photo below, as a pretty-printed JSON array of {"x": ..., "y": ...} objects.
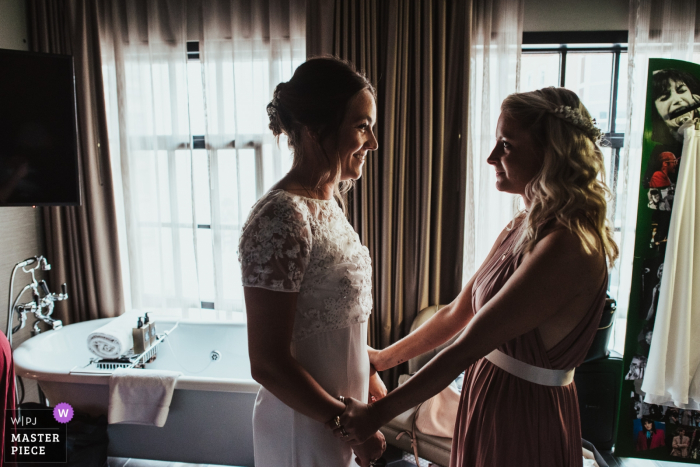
[
  {"x": 81, "y": 241},
  {"x": 408, "y": 207},
  {"x": 319, "y": 27}
]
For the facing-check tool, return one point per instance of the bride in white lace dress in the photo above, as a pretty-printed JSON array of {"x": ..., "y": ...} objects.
[{"x": 307, "y": 277}]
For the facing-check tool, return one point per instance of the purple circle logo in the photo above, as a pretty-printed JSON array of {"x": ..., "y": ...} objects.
[{"x": 63, "y": 412}]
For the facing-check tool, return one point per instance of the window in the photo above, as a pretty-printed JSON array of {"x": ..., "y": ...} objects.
[
  {"x": 232, "y": 166},
  {"x": 192, "y": 152},
  {"x": 597, "y": 73},
  {"x": 235, "y": 163}
]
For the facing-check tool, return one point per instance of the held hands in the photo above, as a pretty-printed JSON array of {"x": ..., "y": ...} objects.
[
  {"x": 370, "y": 450},
  {"x": 357, "y": 424}
]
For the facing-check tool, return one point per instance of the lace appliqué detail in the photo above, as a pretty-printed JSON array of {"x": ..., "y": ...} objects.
[
  {"x": 335, "y": 289},
  {"x": 274, "y": 247}
]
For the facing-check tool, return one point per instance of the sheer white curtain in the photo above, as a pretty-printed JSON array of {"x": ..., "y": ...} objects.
[
  {"x": 248, "y": 47},
  {"x": 189, "y": 137},
  {"x": 494, "y": 73},
  {"x": 145, "y": 77},
  {"x": 657, "y": 29}
]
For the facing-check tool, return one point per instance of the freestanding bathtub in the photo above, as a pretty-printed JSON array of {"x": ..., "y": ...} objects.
[{"x": 210, "y": 419}]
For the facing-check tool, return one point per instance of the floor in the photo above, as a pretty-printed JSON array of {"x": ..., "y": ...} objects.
[
  {"x": 612, "y": 462},
  {"x": 123, "y": 462},
  {"x": 627, "y": 462}
]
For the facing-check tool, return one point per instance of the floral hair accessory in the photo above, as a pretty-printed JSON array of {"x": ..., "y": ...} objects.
[{"x": 574, "y": 117}]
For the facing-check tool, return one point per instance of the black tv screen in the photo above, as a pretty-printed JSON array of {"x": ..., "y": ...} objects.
[{"x": 38, "y": 135}]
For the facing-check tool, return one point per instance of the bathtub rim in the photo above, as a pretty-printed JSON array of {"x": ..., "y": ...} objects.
[
  {"x": 35, "y": 371},
  {"x": 194, "y": 383}
]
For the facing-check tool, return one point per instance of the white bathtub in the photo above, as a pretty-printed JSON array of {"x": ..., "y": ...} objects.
[{"x": 210, "y": 419}]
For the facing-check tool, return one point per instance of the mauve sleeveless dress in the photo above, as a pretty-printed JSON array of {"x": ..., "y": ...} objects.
[{"x": 504, "y": 420}]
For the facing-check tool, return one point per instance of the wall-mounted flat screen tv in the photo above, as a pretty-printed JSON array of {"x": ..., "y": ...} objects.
[{"x": 38, "y": 134}]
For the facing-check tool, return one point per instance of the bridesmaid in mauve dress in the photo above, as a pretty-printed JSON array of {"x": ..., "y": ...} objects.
[
  {"x": 543, "y": 419},
  {"x": 528, "y": 316}
]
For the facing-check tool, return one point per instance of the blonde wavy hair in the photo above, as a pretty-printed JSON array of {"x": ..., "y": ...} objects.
[{"x": 570, "y": 186}]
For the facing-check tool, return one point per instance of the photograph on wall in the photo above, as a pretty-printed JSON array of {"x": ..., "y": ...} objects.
[
  {"x": 649, "y": 434},
  {"x": 662, "y": 355}
]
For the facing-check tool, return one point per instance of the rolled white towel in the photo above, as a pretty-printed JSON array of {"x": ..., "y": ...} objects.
[{"x": 114, "y": 338}]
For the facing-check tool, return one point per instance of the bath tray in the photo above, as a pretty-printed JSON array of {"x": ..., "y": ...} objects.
[{"x": 104, "y": 366}]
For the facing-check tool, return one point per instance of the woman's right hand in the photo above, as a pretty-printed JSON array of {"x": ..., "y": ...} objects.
[{"x": 370, "y": 450}]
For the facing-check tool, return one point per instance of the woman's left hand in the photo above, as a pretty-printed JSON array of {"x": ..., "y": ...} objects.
[
  {"x": 377, "y": 390},
  {"x": 357, "y": 423}
]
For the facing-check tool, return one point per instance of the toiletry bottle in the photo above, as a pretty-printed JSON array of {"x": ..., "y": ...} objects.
[
  {"x": 146, "y": 331},
  {"x": 154, "y": 336},
  {"x": 151, "y": 329},
  {"x": 139, "y": 333}
]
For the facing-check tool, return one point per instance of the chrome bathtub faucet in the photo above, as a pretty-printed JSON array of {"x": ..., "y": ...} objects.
[
  {"x": 47, "y": 301},
  {"x": 38, "y": 303}
]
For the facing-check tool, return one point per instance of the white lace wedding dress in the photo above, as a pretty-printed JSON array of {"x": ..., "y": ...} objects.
[{"x": 295, "y": 244}]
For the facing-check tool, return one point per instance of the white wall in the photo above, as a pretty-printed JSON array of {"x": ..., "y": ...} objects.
[
  {"x": 21, "y": 229},
  {"x": 576, "y": 15}
]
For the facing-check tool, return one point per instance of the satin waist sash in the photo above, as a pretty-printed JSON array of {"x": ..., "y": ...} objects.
[{"x": 531, "y": 373}]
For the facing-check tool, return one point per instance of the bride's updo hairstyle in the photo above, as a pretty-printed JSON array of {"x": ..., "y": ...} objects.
[
  {"x": 316, "y": 99},
  {"x": 570, "y": 187}
]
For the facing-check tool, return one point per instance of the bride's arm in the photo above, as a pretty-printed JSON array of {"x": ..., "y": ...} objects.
[
  {"x": 443, "y": 325},
  {"x": 270, "y": 324}
]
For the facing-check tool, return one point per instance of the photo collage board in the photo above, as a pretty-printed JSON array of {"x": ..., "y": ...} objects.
[{"x": 646, "y": 430}]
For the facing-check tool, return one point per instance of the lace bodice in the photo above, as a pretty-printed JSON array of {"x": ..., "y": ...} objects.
[{"x": 295, "y": 244}]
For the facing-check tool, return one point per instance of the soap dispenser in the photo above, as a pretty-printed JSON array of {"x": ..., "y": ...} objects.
[
  {"x": 140, "y": 340},
  {"x": 151, "y": 329}
]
